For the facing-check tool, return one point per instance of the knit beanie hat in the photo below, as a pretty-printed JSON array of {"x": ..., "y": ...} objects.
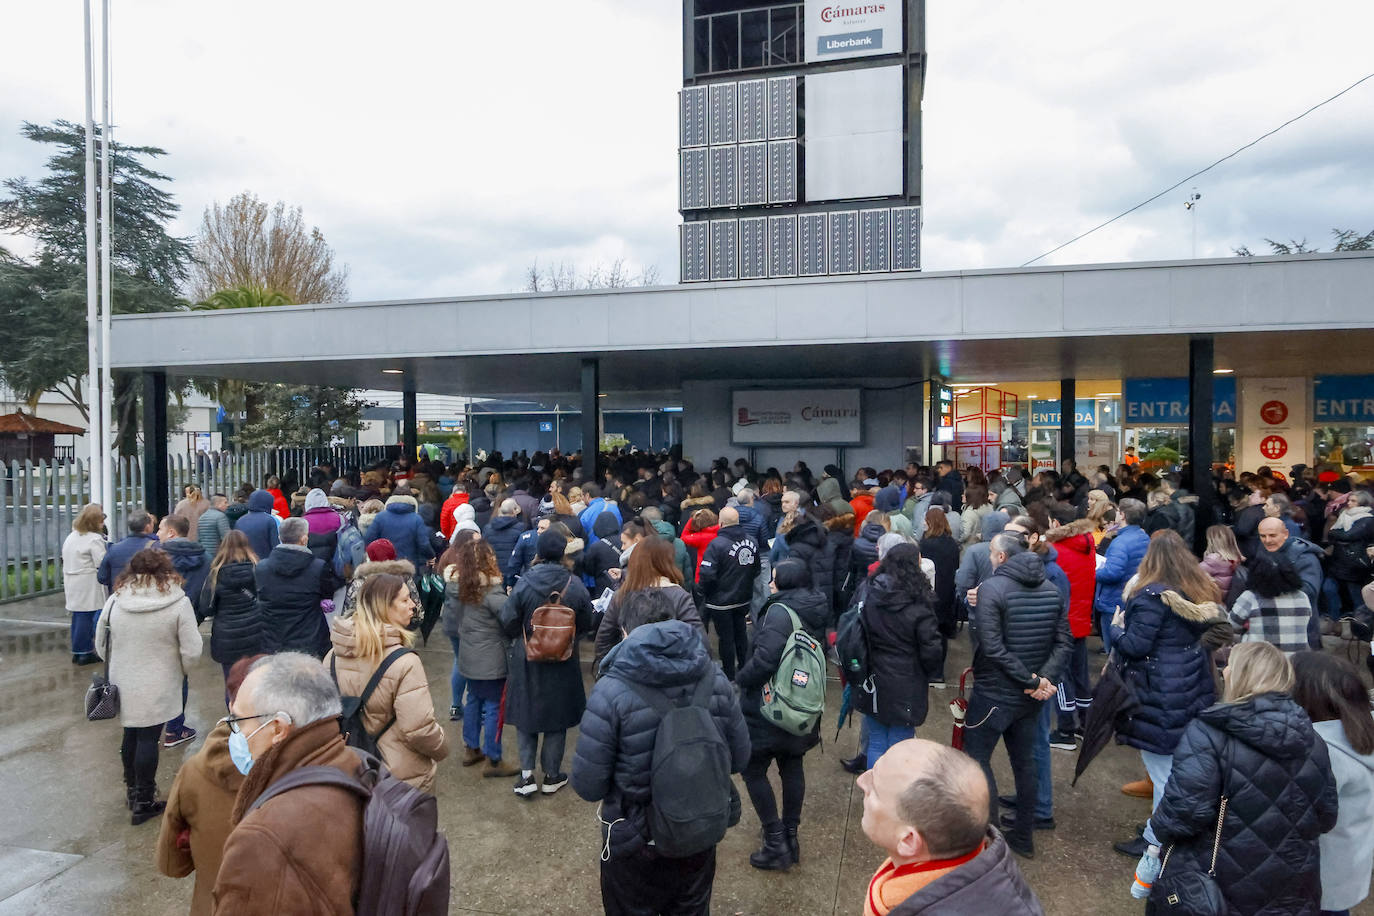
[
  {"x": 381, "y": 550},
  {"x": 550, "y": 545},
  {"x": 888, "y": 499}
]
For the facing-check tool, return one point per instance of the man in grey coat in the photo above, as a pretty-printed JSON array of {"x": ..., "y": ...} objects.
[
  {"x": 213, "y": 525},
  {"x": 977, "y": 564}
]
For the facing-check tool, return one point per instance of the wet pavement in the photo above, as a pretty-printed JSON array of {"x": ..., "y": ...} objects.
[{"x": 67, "y": 847}]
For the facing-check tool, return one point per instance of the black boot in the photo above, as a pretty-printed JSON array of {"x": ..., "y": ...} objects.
[
  {"x": 774, "y": 856},
  {"x": 792, "y": 845},
  {"x": 129, "y": 798},
  {"x": 146, "y": 806}
]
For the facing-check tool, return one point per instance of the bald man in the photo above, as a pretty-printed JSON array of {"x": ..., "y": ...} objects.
[
  {"x": 926, "y": 805},
  {"x": 729, "y": 566},
  {"x": 1306, "y": 558}
]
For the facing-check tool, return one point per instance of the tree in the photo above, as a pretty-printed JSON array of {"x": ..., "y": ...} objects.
[
  {"x": 1346, "y": 240},
  {"x": 296, "y": 415},
  {"x": 564, "y": 276},
  {"x": 247, "y": 244},
  {"x": 43, "y": 302}
]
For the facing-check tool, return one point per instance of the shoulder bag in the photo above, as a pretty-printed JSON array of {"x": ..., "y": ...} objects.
[
  {"x": 102, "y": 697},
  {"x": 1188, "y": 892}
]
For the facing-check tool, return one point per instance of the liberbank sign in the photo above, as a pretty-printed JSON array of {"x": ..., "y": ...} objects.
[
  {"x": 836, "y": 29},
  {"x": 796, "y": 416}
]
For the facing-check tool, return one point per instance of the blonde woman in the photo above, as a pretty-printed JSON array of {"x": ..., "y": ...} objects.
[
  {"x": 400, "y": 713},
  {"x": 192, "y": 507},
  {"x": 82, "y": 552}
]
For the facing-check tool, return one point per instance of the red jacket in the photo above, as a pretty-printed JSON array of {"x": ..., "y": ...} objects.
[
  {"x": 279, "y": 504},
  {"x": 862, "y": 503},
  {"x": 446, "y": 522},
  {"x": 1078, "y": 558},
  {"x": 699, "y": 541}
]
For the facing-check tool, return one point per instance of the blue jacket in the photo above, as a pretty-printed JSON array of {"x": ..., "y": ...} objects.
[
  {"x": 1165, "y": 666},
  {"x": 400, "y": 525},
  {"x": 118, "y": 557},
  {"x": 192, "y": 563},
  {"x": 258, "y": 525},
  {"x": 1123, "y": 558},
  {"x": 588, "y": 516},
  {"x": 524, "y": 553},
  {"x": 615, "y": 745},
  {"x": 502, "y": 533}
]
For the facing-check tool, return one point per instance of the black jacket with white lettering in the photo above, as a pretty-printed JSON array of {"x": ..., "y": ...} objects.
[{"x": 728, "y": 568}]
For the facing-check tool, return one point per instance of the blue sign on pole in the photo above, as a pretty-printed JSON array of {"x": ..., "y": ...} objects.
[
  {"x": 546, "y": 426},
  {"x": 1046, "y": 413},
  {"x": 1151, "y": 401},
  {"x": 1340, "y": 399}
]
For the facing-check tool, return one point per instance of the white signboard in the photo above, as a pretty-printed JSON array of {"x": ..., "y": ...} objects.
[
  {"x": 1274, "y": 428},
  {"x": 796, "y": 416},
  {"x": 836, "y": 29}
]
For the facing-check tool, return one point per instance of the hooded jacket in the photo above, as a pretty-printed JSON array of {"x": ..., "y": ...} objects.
[
  {"x": 1020, "y": 632},
  {"x": 828, "y": 494},
  {"x": 1265, "y": 757},
  {"x": 199, "y": 805},
  {"x": 1077, "y": 556},
  {"x": 482, "y": 647},
  {"x": 615, "y": 744},
  {"x": 192, "y": 564},
  {"x": 1223, "y": 572},
  {"x": 150, "y": 639},
  {"x": 728, "y": 568},
  {"x": 1347, "y": 852},
  {"x": 400, "y": 525},
  {"x": 258, "y": 525},
  {"x": 772, "y": 632},
  {"x": 989, "y": 883},
  {"x": 608, "y": 633},
  {"x": 402, "y": 568},
  {"x": 681, "y": 556},
  {"x": 697, "y": 542},
  {"x": 291, "y": 584},
  {"x": 862, "y": 504},
  {"x": 1120, "y": 562},
  {"x": 808, "y": 542},
  {"x": 602, "y": 553},
  {"x": 543, "y": 696},
  {"x": 447, "y": 522},
  {"x": 904, "y": 650},
  {"x": 413, "y": 743},
  {"x": 232, "y": 606},
  {"x": 1166, "y": 667}
]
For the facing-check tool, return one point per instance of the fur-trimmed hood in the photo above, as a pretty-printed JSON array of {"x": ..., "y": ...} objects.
[
  {"x": 402, "y": 500},
  {"x": 840, "y": 522},
  {"x": 403, "y": 568},
  {"x": 1072, "y": 529},
  {"x": 1204, "y": 612}
]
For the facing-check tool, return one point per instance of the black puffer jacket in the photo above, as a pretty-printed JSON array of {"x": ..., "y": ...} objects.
[
  {"x": 232, "y": 605},
  {"x": 729, "y": 566},
  {"x": 615, "y": 746},
  {"x": 839, "y": 535},
  {"x": 1165, "y": 666},
  {"x": 1020, "y": 629},
  {"x": 602, "y": 553},
  {"x": 772, "y": 631},
  {"x": 1349, "y": 562},
  {"x": 903, "y": 650},
  {"x": 192, "y": 563},
  {"x": 501, "y": 533},
  {"x": 291, "y": 584},
  {"x": 863, "y": 551},
  {"x": 808, "y": 542},
  {"x": 943, "y": 551},
  {"x": 543, "y": 696},
  {"x": 1266, "y": 758}
]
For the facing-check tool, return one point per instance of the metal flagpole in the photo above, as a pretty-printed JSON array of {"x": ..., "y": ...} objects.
[
  {"x": 95, "y": 437},
  {"x": 106, "y": 228}
]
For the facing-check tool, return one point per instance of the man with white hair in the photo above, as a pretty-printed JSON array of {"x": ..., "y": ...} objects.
[
  {"x": 502, "y": 533},
  {"x": 292, "y": 582},
  {"x": 301, "y": 851}
]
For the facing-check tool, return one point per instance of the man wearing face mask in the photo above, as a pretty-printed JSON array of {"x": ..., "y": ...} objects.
[{"x": 301, "y": 852}]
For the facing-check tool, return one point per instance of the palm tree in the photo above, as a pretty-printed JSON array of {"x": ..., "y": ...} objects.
[{"x": 235, "y": 395}]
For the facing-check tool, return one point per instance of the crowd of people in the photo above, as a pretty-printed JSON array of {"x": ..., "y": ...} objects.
[{"x": 1233, "y": 621}]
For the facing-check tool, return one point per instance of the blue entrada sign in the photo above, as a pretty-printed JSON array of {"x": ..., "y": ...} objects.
[
  {"x": 1046, "y": 413},
  {"x": 1165, "y": 400}
]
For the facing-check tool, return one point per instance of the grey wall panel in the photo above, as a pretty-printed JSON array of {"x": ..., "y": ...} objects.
[
  {"x": 753, "y": 248},
  {"x": 692, "y": 116},
  {"x": 724, "y": 249},
  {"x": 753, "y": 111},
  {"x": 753, "y": 174},
  {"x": 875, "y": 240},
  {"x": 696, "y": 252},
  {"x": 724, "y": 100},
  {"x": 811, "y": 232},
  {"x": 782, "y": 171},
  {"x": 724, "y": 176},
  {"x": 695, "y": 192},
  {"x": 782, "y": 108},
  {"x": 782, "y": 246},
  {"x": 842, "y": 243},
  {"x": 906, "y": 238},
  {"x": 854, "y": 134}
]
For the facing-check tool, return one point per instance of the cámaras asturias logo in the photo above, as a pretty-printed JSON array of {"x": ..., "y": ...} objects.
[{"x": 831, "y": 13}]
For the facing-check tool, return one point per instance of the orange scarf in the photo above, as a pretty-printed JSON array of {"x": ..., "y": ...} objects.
[{"x": 892, "y": 884}]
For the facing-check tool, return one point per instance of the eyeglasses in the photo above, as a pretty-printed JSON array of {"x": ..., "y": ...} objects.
[{"x": 234, "y": 721}]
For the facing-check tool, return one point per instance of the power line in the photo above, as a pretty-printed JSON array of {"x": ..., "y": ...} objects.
[{"x": 1189, "y": 178}]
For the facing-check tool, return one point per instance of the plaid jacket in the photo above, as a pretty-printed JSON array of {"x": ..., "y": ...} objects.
[{"x": 1281, "y": 621}]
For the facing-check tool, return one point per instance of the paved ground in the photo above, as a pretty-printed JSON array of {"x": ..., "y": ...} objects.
[{"x": 67, "y": 846}]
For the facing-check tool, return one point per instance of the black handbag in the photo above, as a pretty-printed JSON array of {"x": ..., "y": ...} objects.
[
  {"x": 102, "y": 697},
  {"x": 1187, "y": 892}
]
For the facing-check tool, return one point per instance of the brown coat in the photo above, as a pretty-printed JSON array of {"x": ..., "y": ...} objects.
[
  {"x": 196, "y": 823},
  {"x": 413, "y": 746},
  {"x": 302, "y": 852}
]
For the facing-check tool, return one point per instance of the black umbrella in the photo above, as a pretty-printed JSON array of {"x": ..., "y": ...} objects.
[
  {"x": 1113, "y": 699},
  {"x": 431, "y": 602}
]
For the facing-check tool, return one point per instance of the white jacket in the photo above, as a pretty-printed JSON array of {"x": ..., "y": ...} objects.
[{"x": 81, "y": 556}]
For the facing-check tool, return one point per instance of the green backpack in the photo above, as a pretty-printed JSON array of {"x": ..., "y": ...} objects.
[{"x": 794, "y": 698}]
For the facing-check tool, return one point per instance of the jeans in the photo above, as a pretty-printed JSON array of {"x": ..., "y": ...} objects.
[
  {"x": 1104, "y": 619},
  {"x": 83, "y": 631},
  {"x": 456, "y": 682},
  {"x": 881, "y": 737},
  {"x": 761, "y": 584},
  {"x": 138, "y": 753},
  {"x": 179, "y": 722},
  {"x": 734, "y": 637},
  {"x": 1019, "y": 727},
  {"x": 793, "y": 779},
  {"x": 550, "y": 755},
  {"x": 1329, "y": 598},
  {"x": 648, "y": 884},
  {"x": 1349, "y": 595},
  {"x": 1044, "y": 776},
  {"x": 481, "y": 712},
  {"x": 1159, "y": 766},
  {"x": 1076, "y": 689}
]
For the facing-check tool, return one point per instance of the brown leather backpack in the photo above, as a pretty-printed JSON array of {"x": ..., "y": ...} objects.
[{"x": 552, "y": 628}]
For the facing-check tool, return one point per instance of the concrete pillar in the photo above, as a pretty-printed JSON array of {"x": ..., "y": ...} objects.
[
  {"x": 156, "y": 485},
  {"x": 1068, "y": 426},
  {"x": 591, "y": 420},
  {"x": 1201, "y": 362},
  {"x": 410, "y": 435}
]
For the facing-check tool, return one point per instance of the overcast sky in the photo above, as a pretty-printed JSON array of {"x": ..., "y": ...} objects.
[{"x": 443, "y": 147}]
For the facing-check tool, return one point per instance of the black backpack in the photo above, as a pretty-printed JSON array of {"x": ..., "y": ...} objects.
[
  {"x": 851, "y": 646},
  {"x": 405, "y": 868},
  {"x": 689, "y": 784},
  {"x": 351, "y": 719}
]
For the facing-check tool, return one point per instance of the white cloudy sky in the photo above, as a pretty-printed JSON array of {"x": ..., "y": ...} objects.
[{"x": 444, "y": 146}]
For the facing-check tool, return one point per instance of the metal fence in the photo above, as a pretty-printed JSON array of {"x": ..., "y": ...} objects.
[{"x": 41, "y": 498}]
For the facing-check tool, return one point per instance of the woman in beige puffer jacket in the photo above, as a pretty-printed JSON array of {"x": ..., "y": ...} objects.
[{"x": 400, "y": 712}]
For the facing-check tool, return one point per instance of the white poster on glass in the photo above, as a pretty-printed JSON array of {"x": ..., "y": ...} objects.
[{"x": 1274, "y": 427}]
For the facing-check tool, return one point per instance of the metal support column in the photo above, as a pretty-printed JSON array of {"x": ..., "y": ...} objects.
[
  {"x": 1068, "y": 402},
  {"x": 410, "y": 436},
  {"x": 1201, "y": 362},
  {"x": 156, "y": 486},
  {"x": 591, "y": 420}
]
